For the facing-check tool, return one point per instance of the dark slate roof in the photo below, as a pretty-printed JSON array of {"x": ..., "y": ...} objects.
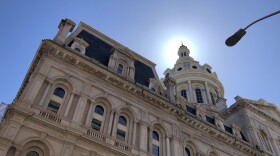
[
  {"x": 101, "y": 51},
  {"x": 97, "y": 49},
  {"x": 143, "y": 73}
]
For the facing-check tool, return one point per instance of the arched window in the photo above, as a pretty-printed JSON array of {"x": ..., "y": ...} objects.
[
  {"x": 99, "y": 110},
  {"x": 32, "y": 153},
  {"x": 153, "y": 89},
  {"x": 120, "y": 69},
  {"x": 212, "y": 98},
  {"x": 122, "y": 128},
  {"x": 59, "y": 92},
  {"x": 98, "y": 118},
  {"x": 198, "y": 95},
  {"x": 155, "y": 144},
  {"x": 184, "y": 93},
  {"x": 122, "y": 120},
  {"x": 56, "y": 100},
  {"x": 187, "y": 152}
]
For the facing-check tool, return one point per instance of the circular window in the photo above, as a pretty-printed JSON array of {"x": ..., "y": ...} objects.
[
  {"x": 179, "y": 69},
  {"x": 78, "y": 49},
  {"x": 194, "y": 67}
]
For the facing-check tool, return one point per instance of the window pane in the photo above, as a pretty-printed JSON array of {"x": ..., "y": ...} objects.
[
  {"x": 59, "y": 92},
  {"x": 53, "y": 106},
  {"x": 155, "y": 135},
  {"x": 122, "y": 120},
  {"x": 198, "y": 95},
  {"x": 99, "y": 110},
  {"x": 120, "y": 135},
  {"x": 155, "y": 150},
  {"x": 96, "y": 124},
  {"x": 187, "y": 152},
  {"x": 32, "y": 153},
  {"x": 120, "y": 69},
  {"x": 212, "y": 98},
  {"x": 184, "y": 93}
]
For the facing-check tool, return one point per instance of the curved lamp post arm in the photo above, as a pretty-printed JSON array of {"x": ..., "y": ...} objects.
[{"x": 232, "y": 40}]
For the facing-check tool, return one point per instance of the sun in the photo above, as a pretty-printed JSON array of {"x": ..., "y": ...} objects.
[{"x": 171, "y": 47}]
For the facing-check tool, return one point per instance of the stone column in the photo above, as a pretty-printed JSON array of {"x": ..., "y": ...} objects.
[
  {"x": 109, "y": 130},
  {"x": 143, "y": 136},
  {"x": 150, "y": 139},
  {"x": 190, "y": 92},
  {"x": 79, "y": 112},
  {"x": 69, "y": 104},
  {"x": 176, "y": 147},
  {"x": 131, "y": 71},
  {"x": 134, "y": 135},
  {"x": 114, "y": 131},
  {"x": 167, "y": 146},
  {"x": 207, "y": 93},
  {"x": 89, "y": 115},
  {"x": 46, "y": 92}
]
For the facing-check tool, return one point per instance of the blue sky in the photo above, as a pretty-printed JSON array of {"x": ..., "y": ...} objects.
[{"x": 155, "y": 30}]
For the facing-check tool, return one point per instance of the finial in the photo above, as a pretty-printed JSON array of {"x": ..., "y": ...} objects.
[{"x": 182, "y": 43}]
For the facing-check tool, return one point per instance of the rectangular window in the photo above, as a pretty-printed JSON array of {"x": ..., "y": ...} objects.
[
  {"x": 96, "y": 124},
  {"x": 155, "y": 150},
  {"x": 228, "y": 129},
  {"x": 120, "y": 135},
  {"x": 210, "y": 120},
  {"x": 53, "y": 106}
]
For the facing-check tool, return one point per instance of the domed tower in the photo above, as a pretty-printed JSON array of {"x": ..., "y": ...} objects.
[{"x": 196, "y": 84}]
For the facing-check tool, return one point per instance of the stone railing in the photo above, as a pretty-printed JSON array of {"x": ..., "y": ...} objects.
[
  {"x": 50, "y": 116},
  {"x": 96, "y": 135},
  {"x": 109, "y": 140},
  {"x": 123, "y": 146}
]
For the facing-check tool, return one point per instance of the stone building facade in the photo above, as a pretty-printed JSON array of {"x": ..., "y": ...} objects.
[{"x": 87, "y": 95}]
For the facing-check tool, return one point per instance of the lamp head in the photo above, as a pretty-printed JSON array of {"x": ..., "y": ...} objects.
[{"x": 232, "y": 40}]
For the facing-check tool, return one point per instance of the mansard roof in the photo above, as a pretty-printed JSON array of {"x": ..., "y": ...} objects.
[{"x": 101, "y": 48}]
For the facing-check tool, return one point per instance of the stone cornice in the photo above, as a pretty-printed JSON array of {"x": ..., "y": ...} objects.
[
  {"x": 51, "y": 49},
  {"x": 252, "y": 106}
]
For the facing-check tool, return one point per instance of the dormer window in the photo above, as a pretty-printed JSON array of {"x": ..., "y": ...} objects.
[
  {"x": 120, "y": 69},
  {"x": 79, "y": 45}
]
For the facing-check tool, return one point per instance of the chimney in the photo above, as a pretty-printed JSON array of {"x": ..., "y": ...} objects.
[
  {"x": 170, "y": 86},
  {"x": 65, "y": 26}
]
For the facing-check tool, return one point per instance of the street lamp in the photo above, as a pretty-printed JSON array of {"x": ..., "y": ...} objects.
[{"x": 232, "y": 40}]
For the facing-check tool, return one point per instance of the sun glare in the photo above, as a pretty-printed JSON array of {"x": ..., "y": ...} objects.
[{"x": 171, "y": 48}]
